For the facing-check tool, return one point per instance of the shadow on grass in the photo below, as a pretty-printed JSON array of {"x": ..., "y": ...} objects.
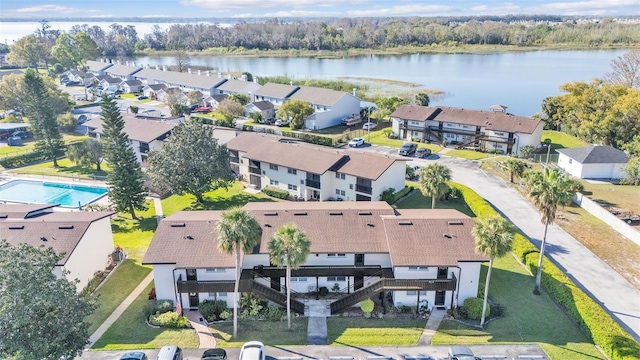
[
  {"x": 81, "y": 170},
  {"x": 127, "y": 225},
  {"x": 225, "y": 202}
]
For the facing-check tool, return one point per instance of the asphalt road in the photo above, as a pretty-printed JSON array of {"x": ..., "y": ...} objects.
[
  {"x": 594, "y": 276},
  {"x": 354, "y": 353}
]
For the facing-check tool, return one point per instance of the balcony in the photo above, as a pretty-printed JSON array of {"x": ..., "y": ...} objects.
[
  {"x": 363, "y": 189},
  {"x": 413, "y": 127},
  {"x": 255, "y": 170},
  {"x": 194, "y": 286},
  {"x": 312, "y": 183},
  {"x": 234, "y": 159}
]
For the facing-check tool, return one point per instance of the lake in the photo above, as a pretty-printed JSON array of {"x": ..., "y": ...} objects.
[{"x": 518, "y": 80}]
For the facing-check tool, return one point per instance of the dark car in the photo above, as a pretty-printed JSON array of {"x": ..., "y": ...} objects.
[
  {"x": 136, "y": 355},
  {"x": 423, "y": 152},
  {"x": 214, "y": 354},
  {"x": 72, "y": 83},
  {"x": 22, "y": 134},
  {"x": 408, "y": 149},
  {"x": 143, "y": 97}
]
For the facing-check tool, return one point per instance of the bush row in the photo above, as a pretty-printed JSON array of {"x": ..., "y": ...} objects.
[
  {"x": 22, "y": 159},
  {"x": 591, "y": 317},
  {"x": 391, "y": 196},
  {"x": 310, "y": 138},
  {"x": 171, "y": 320},
  {"x": 276, "y": 193}
]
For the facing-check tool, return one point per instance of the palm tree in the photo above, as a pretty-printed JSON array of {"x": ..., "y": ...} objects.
[
  {"x": 548, "y": 189},
  {"x": 515, "y": 166},
  {"x": 433, "y": 181},
  {"x": 238, "y": 231},
  {"x": 494, "y": 237},
  {"x": 289, "y": 248}
]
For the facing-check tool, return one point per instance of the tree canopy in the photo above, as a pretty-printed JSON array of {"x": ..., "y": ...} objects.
[
  {"x": 13, "y": 94},
  {"x": 41, "y": 316},
  {"x": 625, "y": 70},
  {"x": 30, "y": 50},
  {"x": 295, "y": 112},
  {"x": 72, "y": 50},
  {"x": 86, "y": 153},
  {"x": 191, "y": 161},
  {"x": 433, "y": 181}
]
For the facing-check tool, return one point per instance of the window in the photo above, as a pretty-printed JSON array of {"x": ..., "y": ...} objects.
[
  {"x": 570, "y": 161},
  {"x": 451, "y": 136},
  {"x": 450, "y": 124},
  {"x": 466, "y": 126},
  {"x": 292, "y": 187},
  {"x": 340, "y": 176},
  {"x": 336, "y": 255},
  {"x": 292, "y": 171},
  {"x": 350, "y": 186},
  {"x": 417, "y": 268},
  {"x": 340, "y": 192},
  {"x": 298, "y": 279},
  {"x": 414, "y": 293},
  {"x": 498, "y": 133},
  {"x": 273, "y": 167},
  {"x": 224, "y": 294},
  {"x": 215, "y": 270},
  {"x": 274, "y": 182},
  {"x": 336, "y": 278},
  {"x": 415, "y": 123}
]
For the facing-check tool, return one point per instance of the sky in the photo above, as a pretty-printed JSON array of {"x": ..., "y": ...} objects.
[{"x": 42, "y": 9}]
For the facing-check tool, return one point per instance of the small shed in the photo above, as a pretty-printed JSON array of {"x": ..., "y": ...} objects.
[
  {"x": 15, "y": 141},
  {"x": 593, "y": 162}
]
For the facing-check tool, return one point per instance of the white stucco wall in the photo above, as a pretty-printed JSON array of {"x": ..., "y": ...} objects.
[
  {"x": 284, "y": 178},
  {"x": 347, "y": 105},
  {"x": 392, "y": 178},
  {"x": 569, "y": 165},
  {"x": 163, "y": 281},
  {"x": 92, "y": 252},
  {"x": 603, "y": 171},
  {"x": 251, "y": 260},
  {"x": 468, "y": 280}
]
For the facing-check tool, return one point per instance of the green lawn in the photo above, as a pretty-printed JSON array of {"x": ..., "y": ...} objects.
[
  {"x": 468, "y": 154},
  {"x": 66, "y": 168},
  {"x": 528, "y": 318},
  {"x": 30, "y": 144},
  {"x": 134, "y": 236},
  {"x": 131, "y": 332},
  {"x": 128, "y": 96},
  {"x": 373, "y": 332},
  {"x": 379, "y": 138},
  {"x": 219, "y": 199},
  {"x": 418, "y": 201},
  {"x": 273, "y": 333},
  {"x": 114, "y": 290},
  {"x": 560, "y": 140},
  {"x": 144, "y": 101}
]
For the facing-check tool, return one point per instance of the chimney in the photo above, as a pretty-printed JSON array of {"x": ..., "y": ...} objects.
[
  {"x": 164, "y": 67},
  {"x": 118, "y": 62},
  {"x": 133, "y": 63},
  {"x": 157, "y": 67},
  {"x": 354, "y": 91},
  {"x": 219, "y": 74},
  {"x": 199, "y": 72},
  {"x": 255, "y": 79},
  {"x": 146, "y": 66},
  {"x": 291, "y": 83},
  {"x": 127, "y": 62},
  {"x": 228, "y": 76},
  {"x": 208, "y": 73}
]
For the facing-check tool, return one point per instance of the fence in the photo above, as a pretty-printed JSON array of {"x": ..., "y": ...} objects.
[
  {"x": 601, "y": 213},
  {"x": 48, "y": 176},
  {"x": 542, "y": 158}
]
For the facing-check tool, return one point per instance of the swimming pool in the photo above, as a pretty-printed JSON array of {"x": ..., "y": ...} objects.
[{"x": 40, "y": 192}]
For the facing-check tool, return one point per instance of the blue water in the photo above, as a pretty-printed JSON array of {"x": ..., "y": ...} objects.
[{"x": 38, "y": 192}]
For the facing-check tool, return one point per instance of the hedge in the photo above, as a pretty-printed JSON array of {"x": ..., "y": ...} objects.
[
  {"x": 276, "y": 193},
  {"x": 22, "y": 159},
  {"x": 590, "y": 316}
]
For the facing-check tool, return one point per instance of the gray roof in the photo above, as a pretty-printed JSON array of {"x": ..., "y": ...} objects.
[
  {"x": 156, "y": 87},
  {"x": 150, "y": 73},
  {"x": 233, "y": 85},
  {"x": 12, "y": 126},
  {"x": 318, "y": 96},
  {"x": 133, "y": 82},
  {"x": 123, "y": 70},
  {"x": 137, "y": 129},
  {"x": 97, "y": 65},
  {"x": 263, "y": 105},
  {"x": 596, "y": 154},
  {"x": 173, "y": 78},
  {"x": 279, "y": 91}
]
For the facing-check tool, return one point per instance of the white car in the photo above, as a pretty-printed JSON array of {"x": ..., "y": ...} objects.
[
  {"x": 355, "y": 142},
  {"x": 369, "y": 126},
  {"x": 252, "y": 350}
]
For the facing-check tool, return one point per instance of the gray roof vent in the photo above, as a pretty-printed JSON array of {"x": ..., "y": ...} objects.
[
  {"x": 335, "y": 213},
  {"x": 43, "y": 238},
  {"x": 275, "y": 213},
  {"x": 188, "y": 237},
  {"x": 178, "y": 225},
  {"x": 303, "y": 213},
  {"x": 447, "y": 236},
  {"x": 65, "y": 227},
  {"x": 362, "y": 213},
  {"x": 405, "y": 223},
  {"x": 16, "y": 227},
  {"x": 455, "y": 222}
]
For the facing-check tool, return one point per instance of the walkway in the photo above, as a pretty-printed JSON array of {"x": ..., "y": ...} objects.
[
  {"x": 207, "y": 340},
  {"x": 119, "y": 310},
  {"x": 317, "y": 311},
  {"x": 431, "y": 327},
  {"x": 157, "y": 203}
]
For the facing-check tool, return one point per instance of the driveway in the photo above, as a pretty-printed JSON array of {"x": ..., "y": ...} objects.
[
  {"x": 351, "y": 352},
  {"x": 594, "y": 276}
]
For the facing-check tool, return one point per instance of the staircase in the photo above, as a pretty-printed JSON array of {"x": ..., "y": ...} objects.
[
  {"x": 472, "y": 140},
  {"x": 435, "y": 134},
  {"x": 275, "y": 296}
]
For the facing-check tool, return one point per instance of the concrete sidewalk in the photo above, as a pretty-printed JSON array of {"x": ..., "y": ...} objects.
[{"x": 119, "y": 310}]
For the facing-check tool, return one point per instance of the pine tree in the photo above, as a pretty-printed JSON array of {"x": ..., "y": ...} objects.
[
  {"x": 126, "y": 179},
  {"x": 38, "y": 107}
]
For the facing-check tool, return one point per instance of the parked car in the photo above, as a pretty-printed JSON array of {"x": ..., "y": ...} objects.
[
  {"x": 170, "y": 352},
  {"x": 192, "y": 107},
  {"x": 252, "y": 350},
  {"x": 202, "y": 109},
  {"x": 214, "y": 354},
  {"x": 281, "y": 123},
  {"x": 82, "y": 119},
  {"x": 461, "y": 353},
  {"x": 369, "y": 126},
  {"x": 356, "y": 142},
  {"x": 72, "y": 83},
  {"x": 136, "y": 355},
  {"x": 143, "y": 97},
  {"x": 408, "y": 149},
  {"x": 423, "y": 152},
  {"x": 22, "y": 134}
]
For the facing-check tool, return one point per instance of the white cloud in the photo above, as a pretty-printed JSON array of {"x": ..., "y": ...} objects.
[
  {"x": 405, "y": 10},
  {"x": 261, "y": 4},
  {"x": 155, "y": 16},
  {"x": 505, "y": 9},
  {"x": 102, "y": 16},
  {"x": 589, "y": 7},
  {"x": 49, "y": 9}
]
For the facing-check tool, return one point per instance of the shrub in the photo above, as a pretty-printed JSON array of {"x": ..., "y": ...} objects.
[
  {"x": 405, "y": 309},
  {"x": 93, "y": 283},
  {"x": 473, "y": 306},
  {"x": 171, "y": 320},
  {"x": 273, "y": 313},
  {"x": 459, "y": 313},
  {"x": 211, "y": 310},
  {"x": 250, "y": 306},
  {"x": 367, "y": 306},
  {"x": 323, "y": 291},
  {"x": 390, "y": 197},
  {"x": 276, "y": 193},
  {"x": 226, "y": 315},
  {"x": 155, "y": 307},
  {"x": 21, "y": 160}
]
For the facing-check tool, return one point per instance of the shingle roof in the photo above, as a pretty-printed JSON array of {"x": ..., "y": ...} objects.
[
  {"x": 295, "y": 155},
  {"x": 97, "y": 65},
  {"x": 59, "y": 230},
  {"x": 22, "y": 211},
  {"x": 122, "y": 70},
  {"x": 174, "y": 78},
  {"x": 133, "y": 82},
  {"x": 147, "y": 73},
  {"x": 491, "y": 120},
  {"x": 248, "y": 140},
  {"x": 367, "y": 165},
  {"x": 137, "y": 129},
  {"x": 157, "y": 87},
  {"x": 112, "y": 80},
  {"x": 318, "y": 96},
  {"x": 233, "y": 85},
  {"x": 332, "y": 227},
  {"x": 263, "y": 105},
  {"x": 596, "y": 155},
  {"x": 274, "y": 90}
]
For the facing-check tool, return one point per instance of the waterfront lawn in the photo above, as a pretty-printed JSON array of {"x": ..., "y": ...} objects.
[
  {"x": 66, "y": 168},
  {"x": 220, "y": 199},
  {"x": 114, "y": 290},
  {"x": 468, "y": 154},
  {"x": 528, "y": 318},
  {"x": 560, "y": 140},
  {"x": 272, "y": 333},
  {"x": 130, "y": 331},
  {"x": 134, "y": 236},
  {"x": 379, "y": 138},
  {"x": 351, "y": 331},
  {"x": 418, "y": 201}
]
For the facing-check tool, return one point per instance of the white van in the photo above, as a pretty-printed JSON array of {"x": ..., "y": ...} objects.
[{"x": 170, "y": 353}]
